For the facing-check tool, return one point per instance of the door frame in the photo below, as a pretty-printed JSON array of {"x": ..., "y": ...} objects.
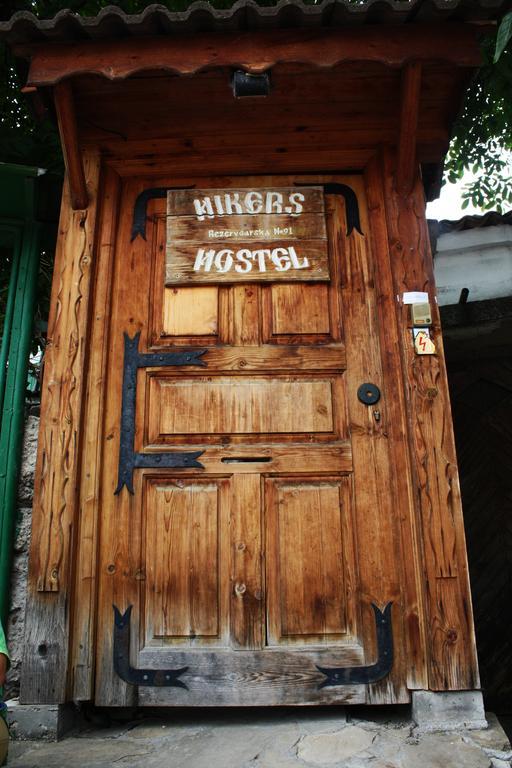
[{"x": 60, "y": 635}]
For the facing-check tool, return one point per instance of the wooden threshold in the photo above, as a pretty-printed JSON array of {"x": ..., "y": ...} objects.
[{"x": 252, "y": 678}]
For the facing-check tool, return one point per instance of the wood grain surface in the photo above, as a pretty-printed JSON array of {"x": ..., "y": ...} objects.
[
  {"x": 50, "y": 583},
  {"x": 311, "y": 505},
  {"x": 253, "y": 678},
  {"x": 401, "y": 486},
  {"x": 254, "y": 51},
  {"x": 245, "y": 235},
  {"x": 450, "y": 632},
  {"x": 247, "y": 206},
  {"x": 87, "y": 575},
  {"x": 409, "y": 113},
  {"x": 239, "y": 405},
  {"x": 282, "y": 259},
  {"x": 271, "y": 414},
  {"x": 68, "y": 130},
  {"x": 329, "y": 118},
  {"x": 183, "y": 529}
]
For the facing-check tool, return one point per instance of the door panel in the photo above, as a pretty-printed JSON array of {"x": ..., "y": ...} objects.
[
  {"x": 181, "y": 315},
  {"x": 185, "y": 526},
  {"x": 302, "y": 313},
  {"x": 238, "y": 405},
  {"x": 262, "y": 564},
  {"x": 299, "y": 309},
  {"x": 191, "y": 311},
  {"x": 306, "y": 561}
]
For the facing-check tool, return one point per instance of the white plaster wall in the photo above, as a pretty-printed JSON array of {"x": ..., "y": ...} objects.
[{"x": 478, "y": 259}]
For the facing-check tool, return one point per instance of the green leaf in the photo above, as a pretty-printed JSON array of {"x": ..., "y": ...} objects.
[{"x": 503, "y": 36}]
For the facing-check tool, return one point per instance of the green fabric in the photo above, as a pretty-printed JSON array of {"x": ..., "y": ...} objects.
[
  {"x": 3, "y": 644},
  {"x": 3, "y": 649}
]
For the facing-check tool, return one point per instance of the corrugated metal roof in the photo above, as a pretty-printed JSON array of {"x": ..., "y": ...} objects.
[
  {"x": 477, "y": 221},
  {"x": 112, "y": 22},
  {"x": 491, "y": 219}
]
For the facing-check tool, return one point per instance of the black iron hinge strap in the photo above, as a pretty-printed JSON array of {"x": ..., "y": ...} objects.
[
  {"x": 154, "y": 677},
  {"x": 351, "y": 203},
  {"x": 374, "y": 672},
  {"x": 129, "y": 459},
  {"x": 330, "y": 188},
  {"x": 334, "y": 675},
  {"x": 141, "y": 206}
]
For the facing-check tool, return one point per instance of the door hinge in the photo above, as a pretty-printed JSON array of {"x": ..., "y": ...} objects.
[
  {"x": 163, "y": 678},
  {"x": 374, "y": 672},
  {"x": 129, "y": 459}
]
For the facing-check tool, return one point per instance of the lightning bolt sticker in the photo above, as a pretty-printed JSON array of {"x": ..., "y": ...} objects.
[{"x": 423, "y": 344}]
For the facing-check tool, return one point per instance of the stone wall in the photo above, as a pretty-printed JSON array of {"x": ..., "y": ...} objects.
[{"x": 16, "y": 625}]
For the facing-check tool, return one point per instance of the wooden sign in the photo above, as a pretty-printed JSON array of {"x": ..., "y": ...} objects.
[{"x": 246, "y": 235}]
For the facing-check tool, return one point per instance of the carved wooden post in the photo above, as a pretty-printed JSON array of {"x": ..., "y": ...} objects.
[
  {"x": 45, "y": 662},
  {"x": 450, "y": 633}
]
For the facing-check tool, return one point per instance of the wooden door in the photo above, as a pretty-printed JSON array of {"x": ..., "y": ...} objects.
[{"x": 266, "y": 567}]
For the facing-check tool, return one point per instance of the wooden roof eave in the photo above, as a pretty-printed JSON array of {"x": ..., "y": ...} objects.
[
  {"x": 54, "y": 64},
  {"x": 256, "y": 51}
]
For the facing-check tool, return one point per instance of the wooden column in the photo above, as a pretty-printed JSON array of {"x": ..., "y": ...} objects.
[
  {"x": 450, "y": 633},
  {"x": 84, "y": 608},
  {"x": 409, "y": 113},
  {"x": 65, "y": 106},
  {"x": 401, "y": 484},
  {"x": 45, "y": 662}
]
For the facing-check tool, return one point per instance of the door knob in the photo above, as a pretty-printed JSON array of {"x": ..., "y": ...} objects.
[{"x": 369, "y": 394}]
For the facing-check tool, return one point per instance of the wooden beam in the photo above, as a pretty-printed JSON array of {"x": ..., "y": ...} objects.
[
  {"x": 64, "y": 104},
  {"x": 409, "y": 112},
  {"x": 255, "y": 51}
]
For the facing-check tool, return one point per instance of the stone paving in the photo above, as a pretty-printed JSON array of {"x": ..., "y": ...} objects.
[{"x": 319, "y": 738}]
